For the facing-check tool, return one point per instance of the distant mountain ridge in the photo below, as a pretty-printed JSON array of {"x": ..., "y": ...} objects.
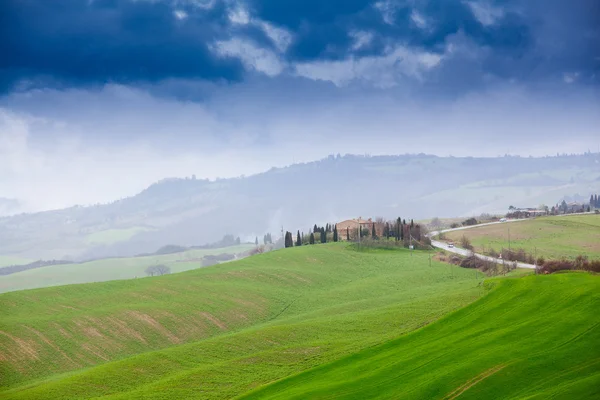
[{"x": 189, "y": 211}]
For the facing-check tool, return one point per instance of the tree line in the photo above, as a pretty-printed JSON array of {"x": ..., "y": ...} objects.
[{"x": 398, "y": 230}]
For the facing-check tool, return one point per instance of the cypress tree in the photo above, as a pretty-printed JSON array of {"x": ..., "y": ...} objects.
[
  {"x": 412, "y": 224},
  {"x": 311, "y": 239},
  {"x": 298, "y": 239},
  {"x": 256, "y": 241},
  {"x": 348, "y": 233},
  {"x": 373, "y": 233},
  {"x": 323, "y": 236},
  {"x": 335, "y": 234}
]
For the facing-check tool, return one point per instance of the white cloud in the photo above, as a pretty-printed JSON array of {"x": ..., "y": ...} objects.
[
  {"x": 361, "y": 39},
  {"x": 180, "y": 14},
  {"x": 252, "y": 56},
  {"x": 382, "y": 71},
  {"x": 418, "y": 19},
  {"x": 239, "y": 16},
  {"x": 203, "y": 4},
  {"x": 280, "y": 37},
  {"x": 570, "y": 77},
  {"x": 387, "y": 10},
  {"x": 485, "y": 13}
]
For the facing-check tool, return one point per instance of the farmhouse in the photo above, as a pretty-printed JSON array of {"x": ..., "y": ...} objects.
[{"x": 351, "y": 226}]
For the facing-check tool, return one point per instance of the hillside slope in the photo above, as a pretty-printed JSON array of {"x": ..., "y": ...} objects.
[
  {"x": 533, "y": 337},
  {"x": 109, "y": 269},
  {"x": 550, "y": 237},
  {"x": 192, "y": 212},
  {"x": 250, "y": 321}
]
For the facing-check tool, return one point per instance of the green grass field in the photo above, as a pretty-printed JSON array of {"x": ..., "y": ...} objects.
[
  {"x": 107, "y": 269},
  {"x": 550, "y": 237},
  {"x": 223, "y": 330},
  {"x": 536, "y": 337},
  {"x": 310, "y": 322}
]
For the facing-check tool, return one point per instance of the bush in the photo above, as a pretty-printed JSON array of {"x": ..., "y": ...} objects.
[
  {"x": 581, "y": 263},
  {"x": 454, "y": 225},
  {"x": 469, "y": 222},
  {"x": 519, "y": 255},
  {"x": 465, "y": 243},
  {"x": 488, "y": 267},
  {"x": 492, "y": 253}
]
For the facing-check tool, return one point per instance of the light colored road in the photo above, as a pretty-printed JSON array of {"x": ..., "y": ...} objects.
[{"x": 465, "y": 252}]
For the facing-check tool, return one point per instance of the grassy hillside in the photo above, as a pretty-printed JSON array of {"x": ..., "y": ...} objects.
[
  {"x": 107, "y": 269},
  {"x": 551, "y": 237},
  {"x": 535, "y": 337},
  {"x": 251, "y": 322}
]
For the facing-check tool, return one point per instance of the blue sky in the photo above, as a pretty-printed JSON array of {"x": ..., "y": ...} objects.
[{"x": 143, "y": 89}]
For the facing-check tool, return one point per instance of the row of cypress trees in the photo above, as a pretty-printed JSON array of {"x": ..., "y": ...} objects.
[
  {"x": 398, "y": 229},
  {"x": 318, "y": 234}
]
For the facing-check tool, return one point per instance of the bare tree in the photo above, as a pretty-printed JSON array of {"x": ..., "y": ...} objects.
[
  {"x": 162, "y": 269},
  {"x": 150, "y": 271},
  {"x": 157, "y": 270}
]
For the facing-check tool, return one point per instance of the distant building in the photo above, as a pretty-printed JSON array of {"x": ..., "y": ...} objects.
[
  {"x": 575, "y": 207},
  {"x": 351, "y": 226}
]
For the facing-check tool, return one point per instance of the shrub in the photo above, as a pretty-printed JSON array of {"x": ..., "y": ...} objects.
[
  {"x": 465, "y": 243},
  {"x": 490, "y": 268},
  {"x": 492, "y": 253},
  {"x": 469, "y": 222},
  {"x": 581, "y": 263}
]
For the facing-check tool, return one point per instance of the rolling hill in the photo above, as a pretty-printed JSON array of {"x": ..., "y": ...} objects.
[
  {"x": 550, "y": 237},
  {"x": 109, "y": 269},
  {"x": 535, "y": 337},
  {"x": 219, "y": 331},
  {"x": 192, "y": 211}
]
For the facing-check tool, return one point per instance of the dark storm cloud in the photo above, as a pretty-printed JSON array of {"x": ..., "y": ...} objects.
[
  {"x": 97, "y": 41},
  {"x": 82, "y": 42}
]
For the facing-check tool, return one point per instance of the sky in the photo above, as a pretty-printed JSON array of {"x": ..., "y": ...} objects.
[{"x": 100, "y": 98}]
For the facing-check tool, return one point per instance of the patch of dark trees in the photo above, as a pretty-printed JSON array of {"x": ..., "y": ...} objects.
[
  {"x": 11, "y": 269},
  {"x": 381, "y": 234}
]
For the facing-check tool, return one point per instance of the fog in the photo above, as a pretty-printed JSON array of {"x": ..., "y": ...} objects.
[{"x": 65, "y": 147}]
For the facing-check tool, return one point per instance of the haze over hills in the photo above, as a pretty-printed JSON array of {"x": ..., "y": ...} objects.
[{"x": 193, "y": 211}]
